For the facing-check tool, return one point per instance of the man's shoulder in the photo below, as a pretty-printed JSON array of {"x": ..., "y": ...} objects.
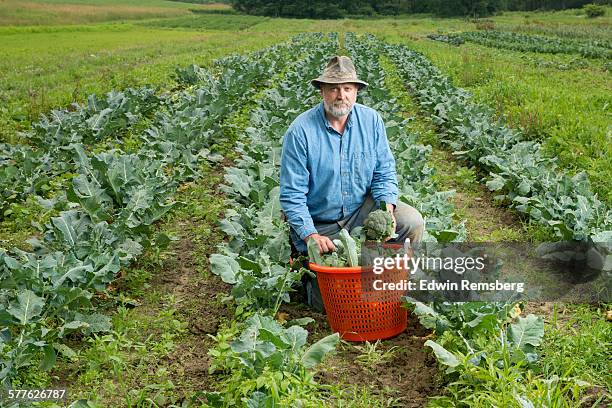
[
  {"x": 365, "y": 111},
  {"x": 305, "y": 119}
]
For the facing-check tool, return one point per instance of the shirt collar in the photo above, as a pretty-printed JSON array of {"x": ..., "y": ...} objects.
[{"x": 326, "y": 123}]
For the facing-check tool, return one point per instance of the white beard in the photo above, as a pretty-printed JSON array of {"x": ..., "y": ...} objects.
[{"x": 338, "y": 109}]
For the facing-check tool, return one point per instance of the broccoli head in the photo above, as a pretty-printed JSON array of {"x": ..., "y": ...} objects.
[{"x": 378, "y": 225}]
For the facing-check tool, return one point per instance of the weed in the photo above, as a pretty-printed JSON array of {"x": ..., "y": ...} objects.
[
  {"x": 565, "y": 343},
  {"x": 485, "y": 25},
  {"x": 466, "y": 176},
  {"x": 372, "y": 355}
]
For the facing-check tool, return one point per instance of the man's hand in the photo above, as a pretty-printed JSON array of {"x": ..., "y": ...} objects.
[
  {"x": 390, "y": 210},
  {"x": 325, "y": 244}
]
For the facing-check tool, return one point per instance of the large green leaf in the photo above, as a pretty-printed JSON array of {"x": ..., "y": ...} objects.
[
  {"x": 49, "y": 357},
  {"x": 444, "y": 356},
  {"x": 231, "y": 228},
  {"x": 96, "y": 323},
  {"x": 224, "y": 266},
  {"x": 76, "y": 273},
  {"x": 295, "y": 336},
  {"x": 260, "y": 400},
  {"x": 526, "y": 332},
  {"x": 27, "y": 306},
  {"x": 65, "y": 224},
  {"x": 89, "y": 194},
  {"x": 315, "y": 353}
]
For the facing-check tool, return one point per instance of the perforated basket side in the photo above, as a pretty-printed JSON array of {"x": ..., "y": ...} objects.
[{"x": 358, "y": 314}]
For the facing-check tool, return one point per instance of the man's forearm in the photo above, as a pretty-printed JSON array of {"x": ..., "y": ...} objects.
[
  {"x": 304, "y": 230},
  {"x": 298, "y": 217}
]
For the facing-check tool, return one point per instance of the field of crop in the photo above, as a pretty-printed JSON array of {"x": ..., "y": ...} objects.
[{"x": 143, "y": 258}]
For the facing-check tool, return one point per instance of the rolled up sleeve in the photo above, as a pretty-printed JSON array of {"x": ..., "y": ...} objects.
[
  {"x": 384, "y": 181},
  {"x": 294, "y": 179}
]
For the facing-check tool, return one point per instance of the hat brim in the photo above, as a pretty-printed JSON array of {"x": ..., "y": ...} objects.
[{"x": 318, "y": 81}]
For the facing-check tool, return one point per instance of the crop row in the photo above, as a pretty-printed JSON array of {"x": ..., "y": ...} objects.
[
  {"x": 265, "y": 363},
  {"x": 488, "y": 351},
  {"x": 40, "y": 165},
  {"x": 532, "y": 43},
  {"x": 519, "y": 171},
  {"x": 113, "y": 200},
  {"x": 33, "y": 168}
]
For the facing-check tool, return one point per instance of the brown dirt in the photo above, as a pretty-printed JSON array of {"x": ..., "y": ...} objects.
[
  {"x": 483, "y": 217},
  {"x": 196, "y": 297},
  {"x": 407, "y": 379},
  {"x": 475, "y": 203}
]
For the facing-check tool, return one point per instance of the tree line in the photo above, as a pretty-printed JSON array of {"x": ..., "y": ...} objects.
[{"x": 444, "y": 8}]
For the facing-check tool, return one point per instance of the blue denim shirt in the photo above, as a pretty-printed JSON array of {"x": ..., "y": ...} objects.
[{"x": 325, "y": 176}]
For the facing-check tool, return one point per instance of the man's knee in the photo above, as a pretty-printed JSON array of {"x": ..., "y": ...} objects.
[{"x": 410, "y": 223}]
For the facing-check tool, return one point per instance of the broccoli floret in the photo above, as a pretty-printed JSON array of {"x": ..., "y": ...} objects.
[{"x": 379, "y": 225}]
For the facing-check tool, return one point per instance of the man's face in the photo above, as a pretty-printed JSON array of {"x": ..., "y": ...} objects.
[{"x": 338, "y": 99}]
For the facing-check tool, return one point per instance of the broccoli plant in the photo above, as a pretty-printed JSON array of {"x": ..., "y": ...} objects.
[
  {"x": 347, "y": 253},
  {"x": 378, "y": 225}
]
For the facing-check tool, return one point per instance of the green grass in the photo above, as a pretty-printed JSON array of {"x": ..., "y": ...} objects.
[
  {"x": 52, "y": 12},
  {"x": 37, "y": 12},
  {"x": 41, "y": 71},
  {"x": 578, "y": 343},
  {"x": 208, "y": 22}
]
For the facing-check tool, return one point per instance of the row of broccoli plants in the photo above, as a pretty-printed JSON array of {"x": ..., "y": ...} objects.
[
  {"x": 519, "y": 171},
  {"x": 47, "y": 296},
  {"x": 531, "y": 43},
  {"x": 42, "y": 164},
  {"x": 33, "y": 168},
  {"x": 263, "y": 362},
  {"x": 488, "y": 351}
]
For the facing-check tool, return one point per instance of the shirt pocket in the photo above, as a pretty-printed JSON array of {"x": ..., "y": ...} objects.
[{"x": 363, "y": 167}]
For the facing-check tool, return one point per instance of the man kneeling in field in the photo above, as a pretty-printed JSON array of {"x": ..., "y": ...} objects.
[{"x": 337, "y": 167}]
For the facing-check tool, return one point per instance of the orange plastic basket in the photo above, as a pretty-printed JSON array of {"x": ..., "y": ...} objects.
[{"x": 359, "y": 314}]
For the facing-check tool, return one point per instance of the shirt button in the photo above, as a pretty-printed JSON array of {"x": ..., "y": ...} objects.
[{"x": 345, "y": 193}]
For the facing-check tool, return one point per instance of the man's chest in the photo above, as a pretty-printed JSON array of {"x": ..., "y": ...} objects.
[{"x": 352, "y": 155}]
